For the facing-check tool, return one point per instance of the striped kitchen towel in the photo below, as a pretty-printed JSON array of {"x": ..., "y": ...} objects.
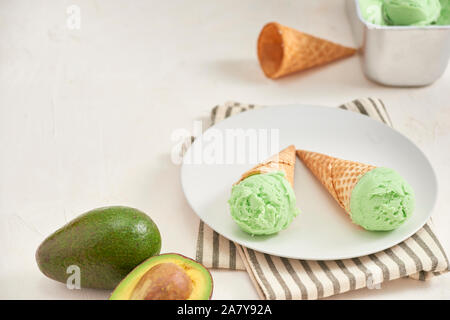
[{"x": 419, "y": 257}]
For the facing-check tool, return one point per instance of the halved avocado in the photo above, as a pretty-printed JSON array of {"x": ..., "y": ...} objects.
[{"x": 168, "y": 276}]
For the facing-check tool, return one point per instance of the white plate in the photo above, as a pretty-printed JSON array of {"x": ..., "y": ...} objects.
[{"x": 323, "y": 231}]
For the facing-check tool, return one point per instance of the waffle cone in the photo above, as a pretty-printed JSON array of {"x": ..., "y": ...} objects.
[
  {"x": 337, "y": 175},
  {"x": 283, "y": 50},
  {"x": 282, "y": 161}
]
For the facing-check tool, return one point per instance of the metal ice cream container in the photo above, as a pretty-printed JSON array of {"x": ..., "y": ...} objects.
[{"x": 400, "y": 55}]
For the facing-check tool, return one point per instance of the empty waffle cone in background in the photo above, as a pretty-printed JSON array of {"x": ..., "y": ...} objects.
[
  {"x": 283, "y": 50},
  {"x": 337, "y": 175},
  {"x": 282, "y": 161}
]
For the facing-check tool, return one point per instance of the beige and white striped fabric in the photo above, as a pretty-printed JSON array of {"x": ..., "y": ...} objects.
[{"x": 419, "y": 257}]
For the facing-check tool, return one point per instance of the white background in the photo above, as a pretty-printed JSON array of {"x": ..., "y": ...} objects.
[{"x": 86, "y": 118}]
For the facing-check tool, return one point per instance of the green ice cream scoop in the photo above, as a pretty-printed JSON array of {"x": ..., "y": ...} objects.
[
  {"x": 381, "y": 200},
  {"x": 372, "y": 11},
  {"x": 444, "y": 18},
  {"x": 263, "y": 204},
  {"x": 411, "y": 12},
  {"x": 406, "y": 12}
]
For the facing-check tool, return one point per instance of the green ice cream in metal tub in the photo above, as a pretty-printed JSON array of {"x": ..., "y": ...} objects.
[
  {"x": 404, "y": 43},
  {"x": 406, "y": 12}
]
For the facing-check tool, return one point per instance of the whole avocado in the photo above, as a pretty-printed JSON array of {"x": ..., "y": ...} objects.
[{"x": 105, "y": 243}]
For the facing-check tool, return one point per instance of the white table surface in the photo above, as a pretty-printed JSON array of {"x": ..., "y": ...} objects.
[{"x": 86, "y": 117}]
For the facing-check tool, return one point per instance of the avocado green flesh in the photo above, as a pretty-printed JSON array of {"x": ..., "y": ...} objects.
[
  {"x": 200, "y": 276},
  {"x": 105, "y": 243}
]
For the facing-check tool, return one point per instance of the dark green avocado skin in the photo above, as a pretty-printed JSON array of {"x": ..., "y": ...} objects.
[{"x": 105, "y": 243}]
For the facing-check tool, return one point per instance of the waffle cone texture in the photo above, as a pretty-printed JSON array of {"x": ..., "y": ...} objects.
[
  {"x": 337, "y": 175},
  {"x": 282, "y": 161},
  {"x": 283, "y": 50}
]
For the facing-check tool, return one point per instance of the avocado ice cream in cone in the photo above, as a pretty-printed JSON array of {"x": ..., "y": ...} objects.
[
  {"x": 263, "y": 202},
  {"x": 376, "y": 198}
]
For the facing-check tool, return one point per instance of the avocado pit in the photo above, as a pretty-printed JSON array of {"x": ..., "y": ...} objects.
[{"x": 165, "y": 281}]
